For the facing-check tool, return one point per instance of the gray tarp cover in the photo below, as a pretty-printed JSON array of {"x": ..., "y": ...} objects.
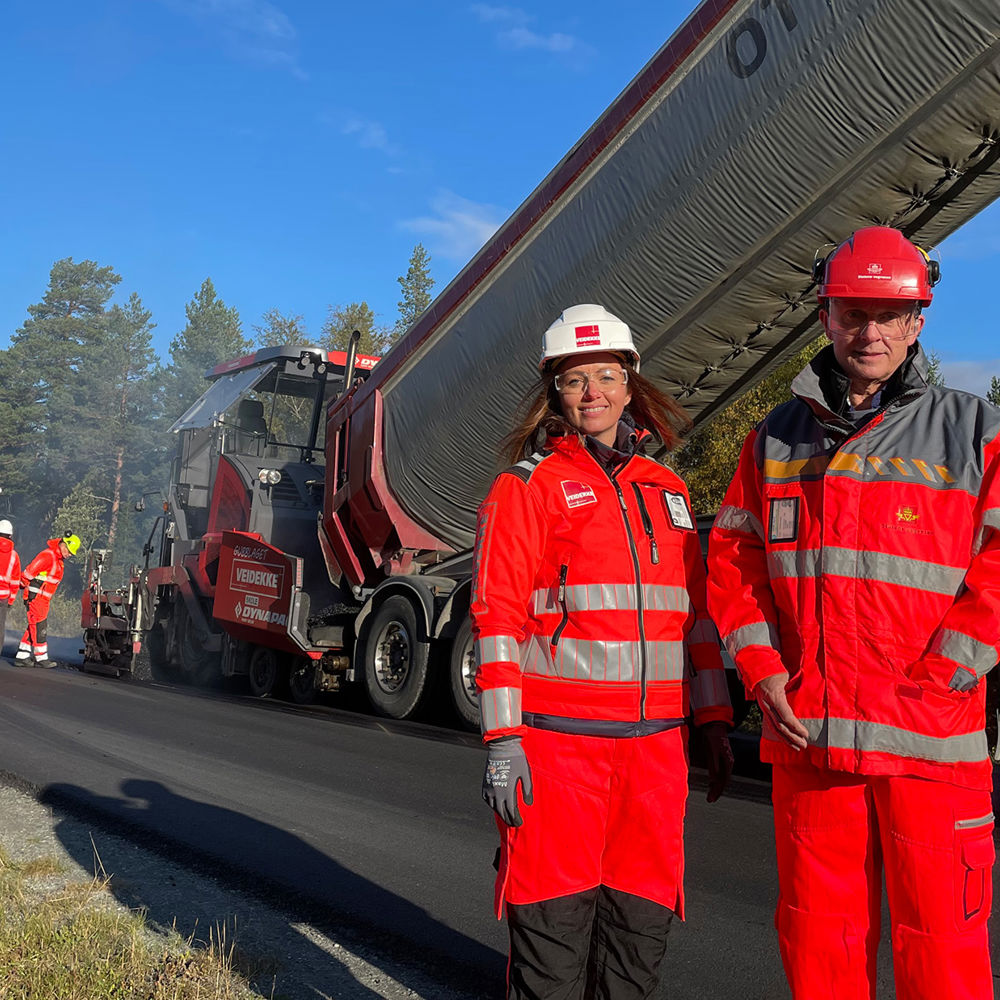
[{"x": 697, "y": 223}]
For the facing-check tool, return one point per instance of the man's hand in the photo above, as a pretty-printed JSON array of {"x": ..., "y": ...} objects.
[
  {"x": 29, "y": 596},
  {"x": 506, "y": 766},
  {"x": 770, "y": 695},
  {"x": 720, "y": 758}
]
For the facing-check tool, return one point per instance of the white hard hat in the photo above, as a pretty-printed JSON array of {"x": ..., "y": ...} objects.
[
  {"x": 6, "y": 528},
  {"x": 585, "y": 328}
]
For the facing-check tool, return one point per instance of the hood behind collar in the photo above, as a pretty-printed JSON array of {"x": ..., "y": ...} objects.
[{"x": 823, "y": 386}]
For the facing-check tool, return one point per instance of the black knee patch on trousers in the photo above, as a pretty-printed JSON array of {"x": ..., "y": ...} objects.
[{"x": 600, "y": 944}]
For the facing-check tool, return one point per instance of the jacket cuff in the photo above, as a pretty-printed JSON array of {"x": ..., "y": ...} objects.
[
  {"x": 714, "y": 713},
  {"x": 757, "y": 662}
]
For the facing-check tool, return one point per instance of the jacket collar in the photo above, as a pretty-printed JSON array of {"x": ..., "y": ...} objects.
[{"x": 822, "y": 384}]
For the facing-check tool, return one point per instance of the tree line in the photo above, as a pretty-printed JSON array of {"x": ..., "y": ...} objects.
[{"x": 85, "y": 402}]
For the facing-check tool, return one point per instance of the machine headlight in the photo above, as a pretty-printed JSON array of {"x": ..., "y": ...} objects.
[{"x": 269, "y": 476}]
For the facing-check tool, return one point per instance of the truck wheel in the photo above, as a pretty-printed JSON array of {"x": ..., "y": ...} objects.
[
  {"x": 395, "y": 660},
  {"x": 462, "y": 677},
  {"x": 303, "y": 681},
  {"x": 201, "y": 668},
  {"x": 160, "y": 667},
  {"x": 264, "y": 671}
]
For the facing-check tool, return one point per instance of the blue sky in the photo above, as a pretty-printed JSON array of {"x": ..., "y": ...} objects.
[{"x": 296, "y": 151}]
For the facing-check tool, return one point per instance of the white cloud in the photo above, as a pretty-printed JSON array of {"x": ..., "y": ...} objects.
[
  {"x": 972, "y": 376},
  {"x": 369, "y": 135},
  {"x": 254, "y": 30},
  {"x": 458, "y": 228},
  {"x": 513, "y": 31}
]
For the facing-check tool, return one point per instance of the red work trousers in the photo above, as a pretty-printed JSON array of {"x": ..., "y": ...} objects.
[
  {"x": 606, "y": 813},
  {"x": 34, "y": 642},
  {"x": 835, "y": 832}
]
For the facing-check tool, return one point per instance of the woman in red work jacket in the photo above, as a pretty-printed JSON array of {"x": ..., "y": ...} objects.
[{"x": 592, "y": 643}]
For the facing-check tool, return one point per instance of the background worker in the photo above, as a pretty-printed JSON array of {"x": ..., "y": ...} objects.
[
  {"x": 854, "y": 572},
  {"x": 10, "y": 574},
  {"x": 588, "y": 606},
  {"x": 40, "y": 581}
]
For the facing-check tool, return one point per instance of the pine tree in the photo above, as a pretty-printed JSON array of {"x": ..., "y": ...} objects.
[
  {"x": 993, "y": 393},
  {"x": 278, "y": 330},
  {"x": 343, "y": 320},
  {"x": 213, "y": 334},
  {"x": 43, "y": 387},
  {"x": 416, "y": 284},
  {"x": 708, "y": 461}
]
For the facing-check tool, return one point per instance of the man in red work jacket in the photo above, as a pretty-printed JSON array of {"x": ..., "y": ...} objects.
[
  {"x": 854, "y": 574},
  {"x": 40, "y": 580},
  {"x": 10, "y": 573}
]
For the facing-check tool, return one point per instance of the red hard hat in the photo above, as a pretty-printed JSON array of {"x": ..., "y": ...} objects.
[{"x": 877, "y": 262}]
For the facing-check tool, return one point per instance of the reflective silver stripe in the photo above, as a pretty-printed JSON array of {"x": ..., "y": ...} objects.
[
  {"x": 708, "y": 687},
  {"x": 500, "y": 708},
  {"x": 991, "y": 518},
  {"x": 732, "y": 518},
  {"x": 962, "y": 680},
  {"x": 977, "y": 657},
  {"x": 867, "y": 565},
  {"x": 857, "y": 734},
  {"x": 703, "y": 630},
  {"x": 611, "y": 597},
  {"x": 585, "y": 659},
  {"x": 991, "y": 521},
  {"x": 971, "y": 824},
  {"x": 757, "y": 634},
  {"x": 497, "y": 649}
]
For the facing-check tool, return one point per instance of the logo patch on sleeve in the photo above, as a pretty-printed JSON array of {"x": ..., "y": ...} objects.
[
  {"x": 678, "y": 510},
  {"x": 578, "y": 494}
]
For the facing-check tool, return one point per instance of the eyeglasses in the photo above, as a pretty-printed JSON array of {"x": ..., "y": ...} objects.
[
  {"x": 891, "y": 325},
  {"x": 575, "y": 383}
]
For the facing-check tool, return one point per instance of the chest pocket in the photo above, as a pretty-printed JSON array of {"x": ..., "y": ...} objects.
[
  {"x": 783, "y": 513},
  {"x": 665, "y": 517}
]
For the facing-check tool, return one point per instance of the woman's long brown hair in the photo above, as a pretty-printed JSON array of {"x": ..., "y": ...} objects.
[{"x": 650, "y": 408}]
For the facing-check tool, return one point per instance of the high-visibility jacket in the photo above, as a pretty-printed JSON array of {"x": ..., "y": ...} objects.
[
  {"x": 865, "y": 561},
  {"x": 10, "y": 571},
  {"x": 42, "y": 575},
  {"x": 589, "y": 600}
]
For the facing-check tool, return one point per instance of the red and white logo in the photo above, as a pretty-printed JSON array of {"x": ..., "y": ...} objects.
[
  {"x": 588, "y": 336},
  {"x": 578, "y": 494},
  {"x": 875, "y": 268}
]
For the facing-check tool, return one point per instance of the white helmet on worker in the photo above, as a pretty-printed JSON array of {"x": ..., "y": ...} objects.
[
  {"x": 6, "y": 529},
  {"x": 585, "y": 328}
]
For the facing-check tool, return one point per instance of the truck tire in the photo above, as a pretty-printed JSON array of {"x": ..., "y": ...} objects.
[
  {"x": 462, "y": 677},
  {"x": 395, "y": 660},
  {"x": 155, "y": 647},
  {"x": 200, "y": 667},
  {"x": 265, "y": 671},
  {"x": 303, "y": 680}
]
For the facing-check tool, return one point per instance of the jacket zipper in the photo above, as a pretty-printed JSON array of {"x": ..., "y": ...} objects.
[
  {"x": 638, "y": 594},
  {"x": 561, "y": 597},
  {"x": 647, "y": 524}
]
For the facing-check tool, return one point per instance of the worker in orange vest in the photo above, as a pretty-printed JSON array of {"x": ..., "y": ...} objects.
[
  {"x": 10, "y": 573},
  {"x": 40, "y": 580}
]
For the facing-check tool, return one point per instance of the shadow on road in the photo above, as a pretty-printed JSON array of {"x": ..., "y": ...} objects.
[{"x": 284, "y": 925}]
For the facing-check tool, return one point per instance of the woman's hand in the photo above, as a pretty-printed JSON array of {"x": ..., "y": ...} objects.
[{"x": 506, "y": 767}]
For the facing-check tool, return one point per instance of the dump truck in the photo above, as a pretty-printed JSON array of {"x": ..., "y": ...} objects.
[{"x": 762, "y": 132}]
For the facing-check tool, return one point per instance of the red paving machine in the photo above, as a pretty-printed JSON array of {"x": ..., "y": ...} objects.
[{"x": 319, "y": 520}]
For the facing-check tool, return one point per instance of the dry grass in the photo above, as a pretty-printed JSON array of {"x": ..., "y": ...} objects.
[{"x": 67, "y": 939}]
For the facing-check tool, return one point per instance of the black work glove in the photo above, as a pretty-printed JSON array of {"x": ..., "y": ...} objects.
[
  {"x": 29, "y": 596},
  {"x": 720, "y": 758},
  {"x": 506, "y": 766}
]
